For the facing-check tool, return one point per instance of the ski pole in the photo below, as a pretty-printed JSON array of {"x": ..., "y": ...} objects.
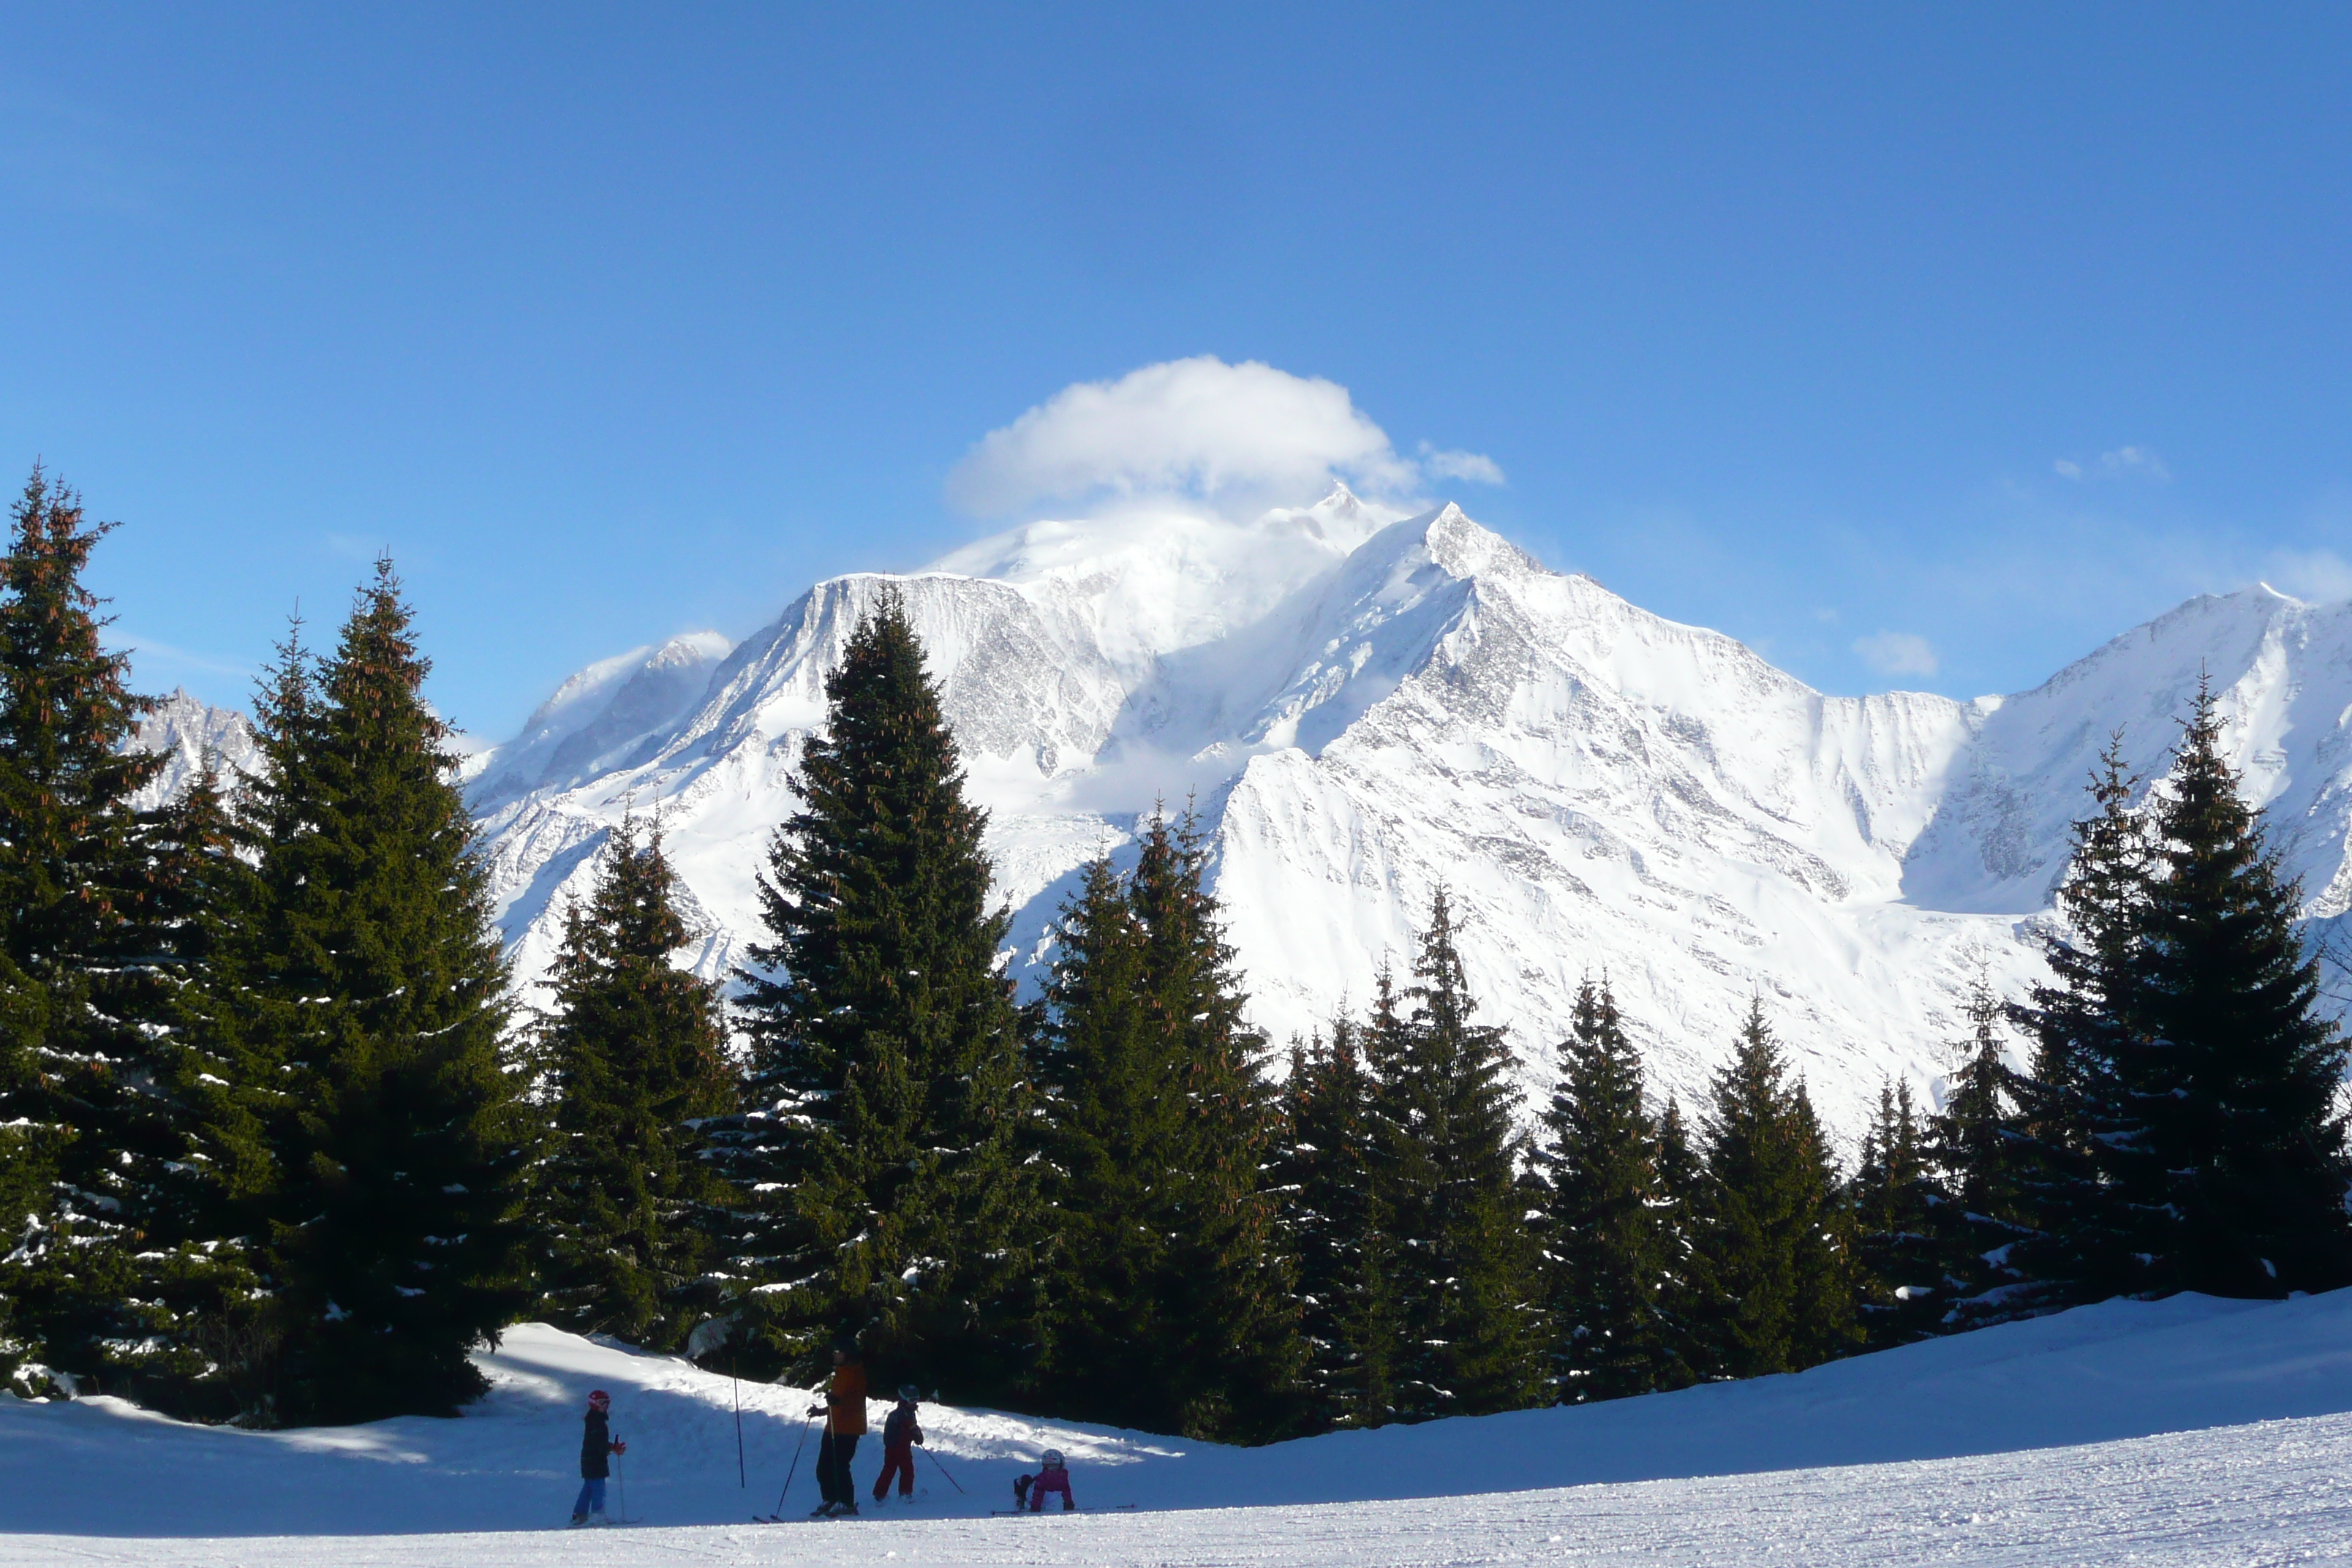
[
  {"x": 624, "y": 1483},
  {"x": 743, "y": 1478},
  {"x": 943, "y": 1470},
  {"x": 796, "y": 1462}
]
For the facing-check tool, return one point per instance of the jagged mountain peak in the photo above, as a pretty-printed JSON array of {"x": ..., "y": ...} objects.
[{"x": 192, "y": 735}]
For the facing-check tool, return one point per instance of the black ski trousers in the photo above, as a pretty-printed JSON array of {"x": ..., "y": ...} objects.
[{"x": 833, "y": 1469}]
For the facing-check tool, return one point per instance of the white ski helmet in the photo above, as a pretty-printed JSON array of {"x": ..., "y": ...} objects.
[{"x": 1053, "y": 1458}]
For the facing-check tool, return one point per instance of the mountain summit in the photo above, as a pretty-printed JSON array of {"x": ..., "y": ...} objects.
[{"x": 1364, "y": 707}]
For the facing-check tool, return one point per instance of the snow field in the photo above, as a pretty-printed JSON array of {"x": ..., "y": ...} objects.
[
  {"x": 2272, "y": 1492},
  {"x": 1962, "y": 1418}
]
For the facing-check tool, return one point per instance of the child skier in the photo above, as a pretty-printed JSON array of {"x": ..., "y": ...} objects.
[
  {"x": 595, "y": 1444},
  {"x": 900, "y": 1432},
  {"x": 1054, "y": 1478}
]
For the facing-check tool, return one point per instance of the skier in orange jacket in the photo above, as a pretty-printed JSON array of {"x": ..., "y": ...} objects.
[{"x": 845, "y": 1422}]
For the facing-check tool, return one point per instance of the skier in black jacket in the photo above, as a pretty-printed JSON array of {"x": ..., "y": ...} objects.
[{"x": 595, "y": 1444}]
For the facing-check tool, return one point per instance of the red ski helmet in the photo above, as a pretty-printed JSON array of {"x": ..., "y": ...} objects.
[{"x": 600, "y": 1400}]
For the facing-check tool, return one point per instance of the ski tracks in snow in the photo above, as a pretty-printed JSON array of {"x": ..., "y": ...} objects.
[{"x": 2272, "y": 1492}]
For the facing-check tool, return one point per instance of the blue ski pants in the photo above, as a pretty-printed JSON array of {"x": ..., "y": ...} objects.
[{"x": 591, "y": 1497}]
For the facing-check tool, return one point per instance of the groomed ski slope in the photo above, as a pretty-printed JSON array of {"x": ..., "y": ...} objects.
[
  {"x": 2273, "y": 1493},
  {"x": 1926, "y": 1454}
]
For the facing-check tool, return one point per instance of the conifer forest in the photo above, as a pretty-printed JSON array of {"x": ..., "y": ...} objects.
[{"x": 281, "y": 1145}]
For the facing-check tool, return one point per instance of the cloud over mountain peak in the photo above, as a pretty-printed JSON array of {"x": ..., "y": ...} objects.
[{"x": 1239, "y": 438}]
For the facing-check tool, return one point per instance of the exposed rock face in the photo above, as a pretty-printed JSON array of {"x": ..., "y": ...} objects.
[{"x": 190, "y": 733}]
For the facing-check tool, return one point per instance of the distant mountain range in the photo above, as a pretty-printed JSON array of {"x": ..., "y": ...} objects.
[{"x": 1362, "y": 707}]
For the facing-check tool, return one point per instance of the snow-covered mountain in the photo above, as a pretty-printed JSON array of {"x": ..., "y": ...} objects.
[
  {"x": 193, "y": 734},
  {"x": 598, "y": 717},
  {"x": 1365, "y": 707}
]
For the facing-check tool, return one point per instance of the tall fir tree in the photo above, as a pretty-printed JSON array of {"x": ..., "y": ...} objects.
[
  {"x": 1447, "y": 1180},
  {"x": 1597, "y": 1213},
  {"x": 370, "y": 1009},
  {"x": 201, "y": 886},
  {"x": 109, "y": 1278},
  {"x": 1682, "y": 1356},
  {"x": 1165, "y": 1305},
  {"x": 1894, "y": 1201},
  {"x": 1238, "y": 1300},
  {"x": 1979, "y": 1150},
  {"x": 2071, "y": 1107},
  {"x": 1772, "y": 1279},
  {"x": 1335, "y": 1231},
  {"x": 1109, "y": 1129},
  {"x": 632, "y": 1058},
  {"x": 887, "y": 1082},
  {"x": 2233, "y": 1079}
]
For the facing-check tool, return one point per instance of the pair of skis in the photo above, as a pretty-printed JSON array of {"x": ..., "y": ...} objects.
[{"x": 810, "y": 1518}]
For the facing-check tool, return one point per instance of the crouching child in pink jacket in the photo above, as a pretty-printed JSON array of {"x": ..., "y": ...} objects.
[{"x": 1054, "y": 1478}]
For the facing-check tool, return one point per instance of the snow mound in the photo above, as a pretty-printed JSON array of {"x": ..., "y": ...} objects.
[{"x": 2119, "y": 1371}]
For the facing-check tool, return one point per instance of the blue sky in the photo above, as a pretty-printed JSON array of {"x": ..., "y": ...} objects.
[{"x": 1922, "y": 346}]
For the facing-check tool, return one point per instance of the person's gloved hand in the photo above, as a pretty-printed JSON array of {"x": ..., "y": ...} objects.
[{"x": 620, "y": 1448}]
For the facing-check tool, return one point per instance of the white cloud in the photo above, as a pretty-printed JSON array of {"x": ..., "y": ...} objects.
[
  {"x": 2320, "y": 576},
  {"x": 1475, "y": 467},
  {"x": 2136, "y": 460},
  {"x": 1897, "y": 653},
  {"x": 2118, "y": 463},
  {"x": 1239, "y": 437}
]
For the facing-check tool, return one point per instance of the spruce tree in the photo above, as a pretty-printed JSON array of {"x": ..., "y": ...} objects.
[
  {"x": 29, "y": 1147},
  {"x": 108, "y": 1277},
  {"x": 2075, "y": 1124},
  {"x": 1597, "y": 1217},
  {"x": 2234, "y": 1076},
  {"x": 1111, "y": 1132},
  {"x": 1333, "y": 1228},
  {"x": 1771, "y": 1277},
  {"x": 1979, "y": 1151},
  {"x": 370, "y": 1008},
  {"x": 1826, "y": 1298},
  {"x": 1894, "y": 1202},
  {"x": 1683, "y": 1356},
  {"x": 632, "y": 1054},
  {"x": 886, "y": 1082},
  {"x": 1236, "y": 1299},
  {"x": 1447, "y": 1179},
  {"x": 200, "y": 887},
  {"x": 1165, "y": 1305}
]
